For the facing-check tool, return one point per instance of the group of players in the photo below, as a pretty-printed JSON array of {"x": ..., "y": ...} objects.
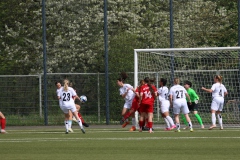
[{"x": 182, "y": 99}]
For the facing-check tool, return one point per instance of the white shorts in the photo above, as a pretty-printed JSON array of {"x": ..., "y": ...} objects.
[
  {"x": 164, "y": 106},
  {"x": 180, "y": 105},
  {"x": 217, "y": 104},
  {"x": 66, "y": 109},
  {"x": 128, "y": 104}
]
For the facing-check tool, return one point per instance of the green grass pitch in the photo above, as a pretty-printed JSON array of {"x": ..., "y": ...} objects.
[{"x": 115, "y": 143}]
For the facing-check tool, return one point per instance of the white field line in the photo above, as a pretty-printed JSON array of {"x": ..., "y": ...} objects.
[
  {"x": 27, "y": 140},
  {"x": 109, "y": 131}
]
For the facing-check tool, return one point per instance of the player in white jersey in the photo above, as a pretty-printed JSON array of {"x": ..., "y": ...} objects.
[
  {"x": 59, "y": 87},
  {"x": 165, "y": 104},
  {"x": 126, "y": 92},
  {"x": 218, "y": 91},
  {"x": 66, "y": 96},
  {"x": 177, "y": 97}
]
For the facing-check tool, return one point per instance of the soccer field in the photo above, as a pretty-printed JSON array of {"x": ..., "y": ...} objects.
[{"x": 115, "y": 143}]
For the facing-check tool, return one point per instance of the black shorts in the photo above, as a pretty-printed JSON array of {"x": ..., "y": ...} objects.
[{"x": 193, "y": 106}]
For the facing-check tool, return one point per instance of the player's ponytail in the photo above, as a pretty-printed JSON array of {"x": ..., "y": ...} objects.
[
  {"x": 148, "y": 81},
  {"x": 219, "y": 78},
  {"x": 65, "y": 87}
]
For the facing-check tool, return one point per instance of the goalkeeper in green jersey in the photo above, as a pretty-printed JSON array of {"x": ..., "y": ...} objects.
[{"x": 194, "y": 105}]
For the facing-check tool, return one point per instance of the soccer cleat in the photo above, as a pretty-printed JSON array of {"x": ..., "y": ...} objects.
[
  {"x": 3, "y": 131},
  {"x": 83, "y": 131},
  {"x": 221, "y": 128},
  {"x": 150, "y": 130},
  {"x": 191, "y": 130},
  {"x": 173, "y": 127},
  {"x": 70, "y": 129},
  {"x": 186, "y": 128},
  {"x": 213, "y": 126},
  {"x": 66, "y": 132},
  {"x": 74, "y": 119},
  {"x": 202, "y": 126},
  {"x": 125, "y": 124},
  {"x": 85, "y": 124},
  {"x": 167, "y": 129},
  {"x": 132, "y": 129},
  {"x": 178, "y": 130},
  {"x": 145, "y": 128}
]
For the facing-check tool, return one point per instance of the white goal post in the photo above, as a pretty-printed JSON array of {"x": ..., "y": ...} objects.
[{"x": 197, "y": 65}]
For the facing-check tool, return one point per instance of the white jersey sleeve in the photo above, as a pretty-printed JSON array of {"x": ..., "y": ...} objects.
[
  {"x": 218, "y": 90},
  {"x": 163, "y": 93},
  {"x": 130, "y": 93},
  {"x": 178, "y": 92}
]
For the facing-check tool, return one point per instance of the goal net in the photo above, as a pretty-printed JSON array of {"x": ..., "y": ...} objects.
[{"x": 198, "y": 65}]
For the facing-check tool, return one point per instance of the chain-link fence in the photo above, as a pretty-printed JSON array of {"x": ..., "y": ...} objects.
[{"x": 75, "y": 44}]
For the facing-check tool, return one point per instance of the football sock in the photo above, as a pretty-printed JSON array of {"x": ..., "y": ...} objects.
[
  {"x": 3, "y": 123},
  {"x": 178, "y": 126},
  {"x": 184, "y": 120},
  {"x": 80, "y": 116},
  {"x": 198, "y": 119},
  {"x": 167, "y": 123},
  {"x": 213, "y": 119},
  {"x": 150, "y": 124},
  {"x": 66, "y": 125},
  {"x": 190, "y": 124},
  {"x": 220, "y": 119},
  {"x": 126, "y": 115},
  {"x": 170, "y": 120},
  {"x": 80, "y": 123},
  {"x": 69, "y": 123},
  {"x": 141, "y": 124}
]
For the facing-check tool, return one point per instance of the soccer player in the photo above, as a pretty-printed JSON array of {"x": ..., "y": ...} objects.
[
  {"x": 2, "y": 123},
  {"x": 135, "y": 106},
  {"x": 194, "y": 103},
  {"x": 126, "y": 92},
  {"x": 66, "y": 96},
  {"x": 71, "y": 118},
  {"x": 177, "y": 97},
  {"x": 218, "y": 91},
  {"x": 148, "y": 93},
  {"x": 165, "y": 104}
]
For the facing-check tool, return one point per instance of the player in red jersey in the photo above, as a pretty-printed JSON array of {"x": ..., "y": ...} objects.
[
  {"x": 135, "y": 106},
  {"x": 2, "y": 123},
  {"x": 148, "y": 93}
]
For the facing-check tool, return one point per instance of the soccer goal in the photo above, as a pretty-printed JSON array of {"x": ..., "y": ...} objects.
[{"x": 198, "y": 65}]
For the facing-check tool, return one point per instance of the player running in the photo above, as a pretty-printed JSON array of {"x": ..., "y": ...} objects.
[{"x": 218, "y": 91}]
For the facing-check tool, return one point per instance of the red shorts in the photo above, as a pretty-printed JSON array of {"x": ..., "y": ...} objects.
[
  {"x": 147, "y": 108},
  {"x": 135, "y": 106}
]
